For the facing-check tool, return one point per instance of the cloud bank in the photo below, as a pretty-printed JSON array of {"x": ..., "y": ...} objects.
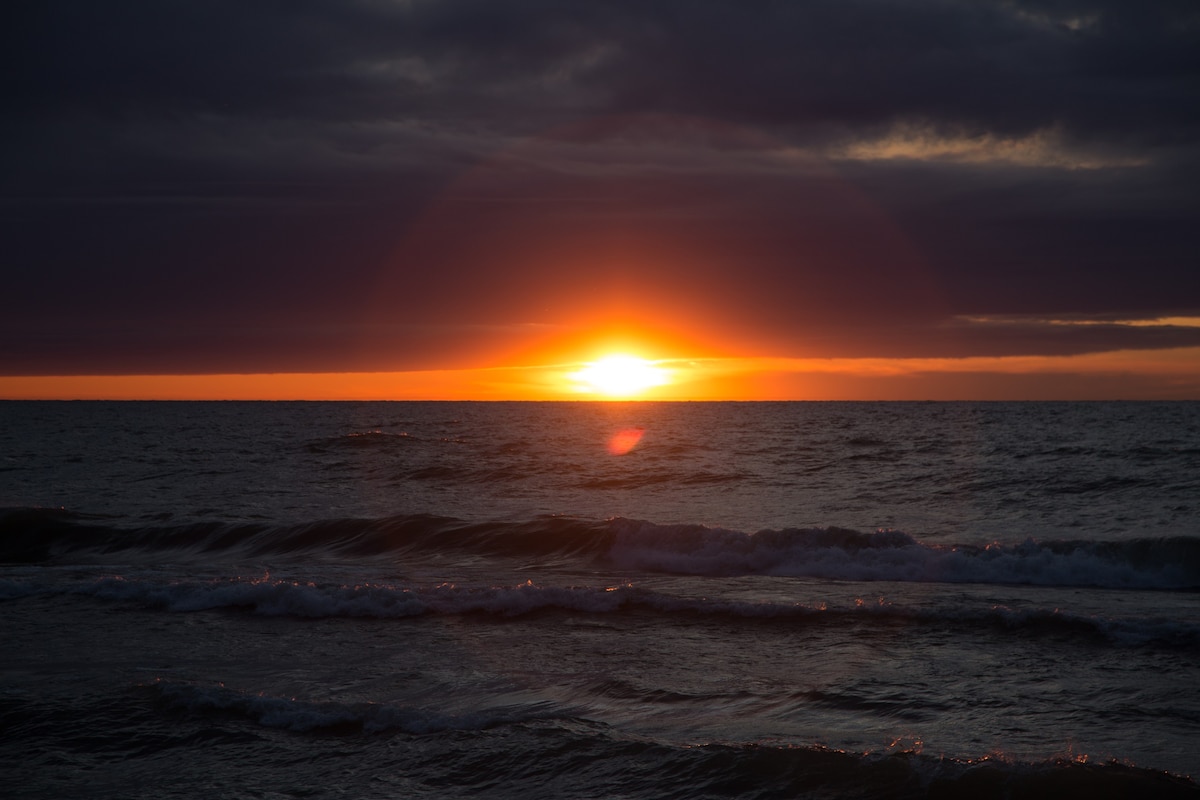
[{"x": 367, "y": 184}]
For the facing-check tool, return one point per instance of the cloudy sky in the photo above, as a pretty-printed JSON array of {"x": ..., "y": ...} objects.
[{"x": 997, "y": 190}]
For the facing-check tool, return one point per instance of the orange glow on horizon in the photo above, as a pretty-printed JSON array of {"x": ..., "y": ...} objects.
[{"x": 1127, "y": 374}]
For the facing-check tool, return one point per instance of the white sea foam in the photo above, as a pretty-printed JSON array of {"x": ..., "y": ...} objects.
[
  {"x": 896, "y": 556},
  {"x": 12, "y": 589},
  {"x": 271, "y": 597}
]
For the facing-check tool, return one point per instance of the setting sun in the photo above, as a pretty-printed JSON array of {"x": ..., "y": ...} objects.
[{"x": 621, "y": 375}]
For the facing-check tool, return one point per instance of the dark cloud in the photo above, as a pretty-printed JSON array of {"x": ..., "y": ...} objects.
[
  {"x": 258, "y": 186},
  {"x": 1099, "y": 68}
]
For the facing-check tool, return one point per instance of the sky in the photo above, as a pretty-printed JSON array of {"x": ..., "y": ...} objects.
[{"x": 833, "y": 199}]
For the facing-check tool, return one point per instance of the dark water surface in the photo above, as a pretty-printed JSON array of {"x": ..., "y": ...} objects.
[{"x": 474, "y": 599}]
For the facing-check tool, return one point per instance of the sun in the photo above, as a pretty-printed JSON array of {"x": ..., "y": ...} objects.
[{"x": 621, "y": 375}]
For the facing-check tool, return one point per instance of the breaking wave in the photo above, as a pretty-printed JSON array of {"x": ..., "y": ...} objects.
[
  {"x": 269, "y": 596},
  {"x": 839, "y": 554},
  {"x": 1165, "y": 563},
  {"x": 594, "y": 756}
]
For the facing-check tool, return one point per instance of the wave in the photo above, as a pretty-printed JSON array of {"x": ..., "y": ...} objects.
[
  {"x": 765, "y": 771},
  {"x": 34, "y": 535},
  {"x": 366, "y": 717},
  {"x": 274, "y": 597},
  {"x": 1164, "y": 563},
  {"x": 511, "y": 462},
  {"x": 840, "y": 554},
  {"x": 544, "y": 749},
  {"x": 269, "y": 596},
  {"x": 357, "y": 440}
]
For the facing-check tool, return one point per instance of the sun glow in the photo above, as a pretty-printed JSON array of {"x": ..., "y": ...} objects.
[{"x": 621, "y": 376}]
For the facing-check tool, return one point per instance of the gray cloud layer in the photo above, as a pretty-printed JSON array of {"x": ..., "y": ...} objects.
[{"x": 312, "y": 185}]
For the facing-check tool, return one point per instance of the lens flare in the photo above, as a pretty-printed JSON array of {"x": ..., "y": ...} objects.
[{"x": 624, "y": 441}]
